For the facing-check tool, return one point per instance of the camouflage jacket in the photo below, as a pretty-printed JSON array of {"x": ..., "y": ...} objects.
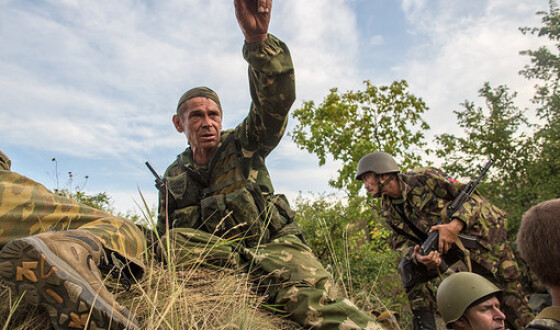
[
  {"x": 548, "y": 319},
  {"x": 195, "y": 191},
  {"x": 425, "y": 193}
]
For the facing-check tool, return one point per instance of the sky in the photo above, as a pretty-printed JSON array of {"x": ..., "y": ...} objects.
[{"x": 94, "y": 84}]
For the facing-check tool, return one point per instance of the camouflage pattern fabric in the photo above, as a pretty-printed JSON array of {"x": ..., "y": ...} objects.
[
  {"x": 5, "y": 162},
  {"x": 548, "y": 319},
  {"x": 285, "y": 269},
  {"x": 425, "y": 193},
  {"x": 28, "y": 208},
  {"x": 226, "y": 214},
  {"x": 271, "y": 80}
]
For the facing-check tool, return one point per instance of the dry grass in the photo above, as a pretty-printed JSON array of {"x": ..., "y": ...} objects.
[
  {"x": 197, "y": 298},
  {"x": 169, "y": 297}
]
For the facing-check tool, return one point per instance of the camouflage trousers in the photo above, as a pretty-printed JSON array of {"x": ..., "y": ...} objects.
[
  {"x": 502, "y": 270},
  {"x": 285, "y": 268},
  {"x": 28, "y": 208}
]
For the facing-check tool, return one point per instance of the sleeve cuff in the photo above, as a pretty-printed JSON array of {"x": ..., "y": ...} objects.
[{"x": 270, "y": 57}]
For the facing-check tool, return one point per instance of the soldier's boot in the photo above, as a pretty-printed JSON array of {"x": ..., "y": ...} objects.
[
  {"x": 59, "y": 270},
  {"x": 423, "y": 320}
]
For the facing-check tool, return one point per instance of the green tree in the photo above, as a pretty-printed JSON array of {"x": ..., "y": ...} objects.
[
  {"x": 347, "y": 126},
  {"x": 545, "y": 68},
  {"x": 497, "y": 131},
  {"x": 101, "y": 200},
  {"x": 349, "y": 236},
  {"x": 527, "y": 154},
  {"x": 364, "y": 267}
]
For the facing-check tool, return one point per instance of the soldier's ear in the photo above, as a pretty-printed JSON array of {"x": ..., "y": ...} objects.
[
  {"x": 178, "y": 123},
  {"x": 462, "y": 323}
]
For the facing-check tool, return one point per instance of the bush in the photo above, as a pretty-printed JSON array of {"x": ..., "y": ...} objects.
[{"x": 352, "y": 244}]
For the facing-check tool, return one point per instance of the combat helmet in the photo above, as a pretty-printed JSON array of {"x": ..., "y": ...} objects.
[
  {"x": 459, "y": 291},
  {"x": 378, "y": 162}
]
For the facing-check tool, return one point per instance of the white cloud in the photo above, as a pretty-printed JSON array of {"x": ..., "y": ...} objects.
[
  {"x": 323, "y": 38},
  {"x": 103, "y": 77},
  {"x": 376, "y": 40},
  {"x": 100, "y": 80},
  {"x": 462, "y": 49}
]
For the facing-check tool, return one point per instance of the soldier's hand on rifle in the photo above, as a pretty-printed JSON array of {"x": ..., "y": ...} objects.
[
  {"x": 253, "y": 17},
  {"x": 431, "y": 260},
  {"x": 448, "y": 234}
]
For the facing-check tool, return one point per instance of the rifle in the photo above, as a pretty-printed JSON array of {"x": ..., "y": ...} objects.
[
  {"x": 431, "y": 243},
  {"x": 413, "y": 273},
  {"x": 160, "y": 183}
]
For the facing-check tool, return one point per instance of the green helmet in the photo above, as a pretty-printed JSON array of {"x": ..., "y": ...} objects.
[
  {"x": 377, "y": 162},
  {"x": 459, "y": 291}
]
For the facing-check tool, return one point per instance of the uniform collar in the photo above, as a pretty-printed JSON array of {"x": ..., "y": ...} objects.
[{"x": 187, "y": 155}]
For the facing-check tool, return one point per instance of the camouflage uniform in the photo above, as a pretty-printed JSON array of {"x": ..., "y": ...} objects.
[
  {"x": 548, "y": 319},
  {"x": 425, "y": 193},
  {"x": 27, "y": 208},
  {"x": 226, "y": 213}
]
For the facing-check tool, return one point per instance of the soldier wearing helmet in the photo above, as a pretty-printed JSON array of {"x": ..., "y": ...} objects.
[
  {"x": 469, "y": 301},
  {"x": 377, "y": 169},
  {"x": 412, "y": 204}
]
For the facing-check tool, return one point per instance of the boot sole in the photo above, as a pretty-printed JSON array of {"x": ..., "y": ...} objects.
[{"x": 31, "y": 269}]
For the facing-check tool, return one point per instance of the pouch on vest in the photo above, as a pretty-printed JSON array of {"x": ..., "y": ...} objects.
[
  {"x": 283, "y": 206},
  {"x": 186, "y": 217},
  {"x": 280, "y": 214},
  {"x": 177, "y": 186},
  {"x": 233, "y": 215}
]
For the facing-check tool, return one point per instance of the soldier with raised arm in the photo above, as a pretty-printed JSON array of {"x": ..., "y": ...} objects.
[{"x": 219, "y": 205}]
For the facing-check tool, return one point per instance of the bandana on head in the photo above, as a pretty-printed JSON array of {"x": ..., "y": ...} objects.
[{"x": 199, "y": 92}]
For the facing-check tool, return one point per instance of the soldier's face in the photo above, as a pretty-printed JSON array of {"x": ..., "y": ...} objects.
[
  {"x": 484, "y": 316},
  {"x": 370, "y": 183},
  {"x": 200, "y": 119}
]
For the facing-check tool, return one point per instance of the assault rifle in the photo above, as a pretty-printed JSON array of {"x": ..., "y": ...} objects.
[
  {"x": 431, "y": 243},
  {"x": 412, "y": 272},
  {"x": 160, "y": 183}
]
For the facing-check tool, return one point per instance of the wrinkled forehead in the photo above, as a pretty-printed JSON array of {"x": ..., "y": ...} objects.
[{"x": 199, "y": 104}]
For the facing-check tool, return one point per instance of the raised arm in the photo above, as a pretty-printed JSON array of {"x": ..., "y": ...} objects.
[{"x": 271, "y": 79}]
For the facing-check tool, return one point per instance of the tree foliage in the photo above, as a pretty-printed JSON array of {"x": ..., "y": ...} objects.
[
  {"x": 527, "y": 153},
  {"x": 349, "y": 237},
  {"x": 356, "y": 253},
  {"x": 497, "y": 131},
  {"x": 545, "y": 68},
  {"x": 101, "y": 201},
  {"x": 347, "y": 126},
  {"x": 494, "y": 131}
]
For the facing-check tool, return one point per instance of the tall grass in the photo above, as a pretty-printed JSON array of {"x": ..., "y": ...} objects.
[
  {"x": 189, "y": 299},
  {"x": 192, "y": 296},
  {"x": 169, "y": 297}
]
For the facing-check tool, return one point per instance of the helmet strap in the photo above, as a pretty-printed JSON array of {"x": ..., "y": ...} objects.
[
  {"x": 380, "y": 184},
  {"x": 469, "y": 321}
]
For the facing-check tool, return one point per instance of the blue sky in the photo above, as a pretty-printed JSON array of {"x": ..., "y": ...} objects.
[{"x": 94, "y": 84}]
